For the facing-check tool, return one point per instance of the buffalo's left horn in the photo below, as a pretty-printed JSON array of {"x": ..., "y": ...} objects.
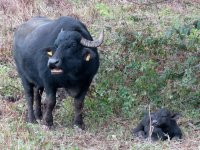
[{"x": 94, "y": 43}]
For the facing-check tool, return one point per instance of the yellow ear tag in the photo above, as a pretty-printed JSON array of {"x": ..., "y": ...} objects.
[
  {"x": 87, "y": 57},
  {"x": 50, "y": 53}
]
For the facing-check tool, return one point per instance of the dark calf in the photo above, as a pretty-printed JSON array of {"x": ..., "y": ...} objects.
[{"x": 163, "y": 124}]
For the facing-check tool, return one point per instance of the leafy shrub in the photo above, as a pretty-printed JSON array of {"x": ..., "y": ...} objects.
[{"x": 160, "y": 69}]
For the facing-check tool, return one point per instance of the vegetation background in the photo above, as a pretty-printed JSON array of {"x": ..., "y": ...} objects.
[{"x": 150, "y": 58}]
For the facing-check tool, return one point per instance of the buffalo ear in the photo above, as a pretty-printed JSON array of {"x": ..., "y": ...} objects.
[
  {"x": 88, "y": 54},
  {"x": 175, "y": 116}
]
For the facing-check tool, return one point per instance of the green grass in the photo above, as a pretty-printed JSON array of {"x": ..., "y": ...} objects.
[{"x": 150, "y": 57}]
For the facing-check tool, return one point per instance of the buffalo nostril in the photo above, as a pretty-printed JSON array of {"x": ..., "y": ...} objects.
[
  {"x": 53, "y": 63},
  {"x": 154, "y": 122}
]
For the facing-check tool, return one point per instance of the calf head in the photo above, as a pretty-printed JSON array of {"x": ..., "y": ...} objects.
[
  {"x": 163, "y": 118},
  {"x": 163, "y": 122}
]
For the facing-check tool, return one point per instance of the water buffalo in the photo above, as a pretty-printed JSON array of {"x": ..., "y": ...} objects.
[
  {"x": 163, "y": 124},
  {"x": 51, "y": 54}
]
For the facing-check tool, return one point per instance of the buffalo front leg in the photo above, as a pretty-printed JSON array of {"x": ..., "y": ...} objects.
[
  {"x": 50, "y": 103},
  {"x": 78, "y": 109},
  {"x": 158, "y": 134},
  {"x": 78, "y": 105}
]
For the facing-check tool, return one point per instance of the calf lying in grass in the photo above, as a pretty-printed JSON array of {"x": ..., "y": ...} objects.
[{"x": 163, "y": 125}]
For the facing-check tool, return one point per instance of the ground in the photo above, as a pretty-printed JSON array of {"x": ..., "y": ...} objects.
[{"x": 115, "y": 133}]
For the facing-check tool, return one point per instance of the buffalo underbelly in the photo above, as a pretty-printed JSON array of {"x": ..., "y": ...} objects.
[{"x": 73, "y": 91}]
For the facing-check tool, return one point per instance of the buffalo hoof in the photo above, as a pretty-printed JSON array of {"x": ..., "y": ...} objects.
[
  {"x": 80, "y": 125},
  {"x": 139, "y": 134},
  {"x": 45, "y": 123},
  {"x": 31, "y": 120},
  {"x": 46, "y": 128},
  {"x": 39, "y": 121},
  {"x": 38, "y": 115},
  {"x": 176, "y": 138},
  {"x": 78, "y": 129}
]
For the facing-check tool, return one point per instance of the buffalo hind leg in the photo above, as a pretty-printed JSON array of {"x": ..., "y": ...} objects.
[
  {"x": 28, "y": 88},
  {"x": 37, "y": 97}
]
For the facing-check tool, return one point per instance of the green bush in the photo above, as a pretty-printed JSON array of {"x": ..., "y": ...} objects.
[{"x": 161, "y": 70}]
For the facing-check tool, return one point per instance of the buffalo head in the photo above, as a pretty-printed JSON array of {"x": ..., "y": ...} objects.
[{"x": 70, "y": 50}]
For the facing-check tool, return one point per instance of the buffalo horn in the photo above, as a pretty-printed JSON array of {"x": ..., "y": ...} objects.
[{"x": 94, "y": 43}]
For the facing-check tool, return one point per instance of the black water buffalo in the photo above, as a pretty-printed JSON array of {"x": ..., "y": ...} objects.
[
  {"x": 163, "y": 124},
  {"x": 52, "y": 54}
]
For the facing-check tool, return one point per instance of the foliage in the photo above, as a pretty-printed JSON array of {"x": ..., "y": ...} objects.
[
  {"x": 8, "y": 85},
  {"x": 103, "y": 9},
  {"x": 159, "y": 69}
]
